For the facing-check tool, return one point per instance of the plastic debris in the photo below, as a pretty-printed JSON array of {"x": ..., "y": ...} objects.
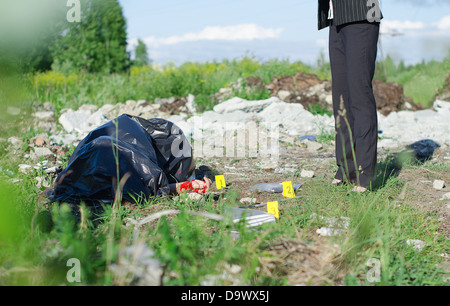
[
  {"x": 308, "y": 137},
  {"x": 272, "y": 187},
  {"x": 252, "y": 217},
  {"x": 423, "y": 149},
  {"x": 154, "y": 152}
]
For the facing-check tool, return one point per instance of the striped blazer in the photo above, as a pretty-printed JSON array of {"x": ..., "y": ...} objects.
[{"x": 345, "y": 11}]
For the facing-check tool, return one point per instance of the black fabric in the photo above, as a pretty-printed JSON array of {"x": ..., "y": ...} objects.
[
  {"x": 154, "y": 152},
  {"x": 353, "y": 52},
  {"x": 344, "y": 11}
]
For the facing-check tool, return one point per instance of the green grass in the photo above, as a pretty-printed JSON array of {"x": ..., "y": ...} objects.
[
  {"x": 36, "y": 242},
  {"x": 199, "y": 79},
  {"x": 422, "y": 82},
  {"x": 192, "y": 247}
]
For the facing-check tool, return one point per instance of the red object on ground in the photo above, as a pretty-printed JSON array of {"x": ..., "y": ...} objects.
[{"x": 188, "y": 186}]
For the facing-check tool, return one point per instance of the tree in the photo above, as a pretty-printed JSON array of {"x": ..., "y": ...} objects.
[
  {"x": 141, "y": 55},
  {"x": 97, "y": 43}
]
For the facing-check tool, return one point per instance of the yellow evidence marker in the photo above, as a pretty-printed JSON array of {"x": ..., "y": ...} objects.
[
  {"x": 272, "y": 208},
  {"x": 288, "y": 190},
  {"x": 220, "y": 181}
]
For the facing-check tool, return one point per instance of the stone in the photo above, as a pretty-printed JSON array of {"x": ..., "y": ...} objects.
[
  {"x": 74, "y": 121},
  {"x": 39, "y": 142},
  {"x": 438, "y": 184},
  {"x": 82, "y": 121},
  {"x": 307, "y": 173},
  {"x": 190, "y": 104},
  {"x": 283, "y": 94},
  {"x": 89, "y": 108},
  {"x": 142, "y": 103},
  {"x": 313, "y": 146},
  {"x": 418, "y": 245},
  {"x": 326, "y": 231},
  {"x": 239, "y": 104},
  {"x": 16, "y": 142},
  {"x": 41, "y": 152},
  {"x": 446, "y": 196},
  {"x": 137, "y": 264},
  {"x": 25, "y": 168},
  {"x": 195, "y": 196},
  {"x": 248, "y": 201}
]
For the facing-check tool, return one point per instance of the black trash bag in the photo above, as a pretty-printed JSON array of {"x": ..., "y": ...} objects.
[
  {"x": 423, "y": 150},
  {"x": 154, "y": 152}
]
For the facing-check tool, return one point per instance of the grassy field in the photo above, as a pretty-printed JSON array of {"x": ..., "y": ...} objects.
[
  {"x": 37, "y": 240},
  {"x": 421, "y": 82}
]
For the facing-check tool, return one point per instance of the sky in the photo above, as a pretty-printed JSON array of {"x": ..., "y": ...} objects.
[{"x": 206, "y": 30}]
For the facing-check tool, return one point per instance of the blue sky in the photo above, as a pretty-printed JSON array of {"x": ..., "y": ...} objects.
[{"x": 205, "y": 30}]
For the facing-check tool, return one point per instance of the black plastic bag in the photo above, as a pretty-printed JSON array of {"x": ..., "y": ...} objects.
[
  {"x": 423, "y": 150},
  {"x": 154, "y": 152}
]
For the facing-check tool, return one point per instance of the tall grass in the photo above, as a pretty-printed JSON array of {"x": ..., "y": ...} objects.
[
  {"x": 422, "y": 82},
  {"x": 150, "y": 82}
]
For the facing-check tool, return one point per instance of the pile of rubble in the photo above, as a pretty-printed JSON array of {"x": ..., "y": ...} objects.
[{"x": 309, "y": 90}]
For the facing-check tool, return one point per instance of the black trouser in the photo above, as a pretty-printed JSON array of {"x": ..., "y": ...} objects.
[{"x": 353, "y": 52}]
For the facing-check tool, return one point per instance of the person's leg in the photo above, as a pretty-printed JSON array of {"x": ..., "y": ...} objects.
[
  {"x": 360, "y": 43},
  {"x": 343, "y": 143}
]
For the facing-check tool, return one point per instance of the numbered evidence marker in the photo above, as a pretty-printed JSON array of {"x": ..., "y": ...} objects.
[
  {"x": 220, "y": 181},
  {"x": 288, "y": 190},
  {"x": 272, "y": 208}
]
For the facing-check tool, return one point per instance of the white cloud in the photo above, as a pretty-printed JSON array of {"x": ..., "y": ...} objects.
[
  {"x": 322, "y": 43},
  {"x": 396, "y": 25},
  {"x": 444, "y": 23},
  {"x": 231, "y": 33}
]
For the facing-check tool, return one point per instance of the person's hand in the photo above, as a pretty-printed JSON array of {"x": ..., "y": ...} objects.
[{"x": 199, "y": 186}]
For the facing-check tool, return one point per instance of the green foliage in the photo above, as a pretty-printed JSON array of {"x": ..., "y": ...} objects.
[
  {"x": 141, "y": 55},
  {"x": 421, "y": 82},
  {"x": 95, "y": 44}
]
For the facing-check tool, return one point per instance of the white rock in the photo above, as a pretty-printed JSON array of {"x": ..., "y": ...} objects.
[
  {"x": 306, "y": 173},
  {"x": 96, "y": 119},
  {"x": 89, "y": 108},
  {"x": 446, "y": 196},
  {"x": 191, "y": 105},
  {"x": 82, "y": 121},
  {"x": 333, "y": 222},
  {"x": 41, "y": 152},
  {"x": 16, "y": 142},
  {"x": 195, "y": 196},
  {"x": 440, "y": 105},
  {"x": 74, "y": 121},
  {"x": 240, "y": 104},
  {"x": 326, "y": 231},
  {"x": 438, "y": 184},
  {"x": 25, "y": 168},
  {"x": 138, "y": 264},
  {"x": 248, "y": 201},
  {"x": 313, "y": 146},
  {"x": 283, "y": 94},
  {"x": 416, "y": 244}
]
